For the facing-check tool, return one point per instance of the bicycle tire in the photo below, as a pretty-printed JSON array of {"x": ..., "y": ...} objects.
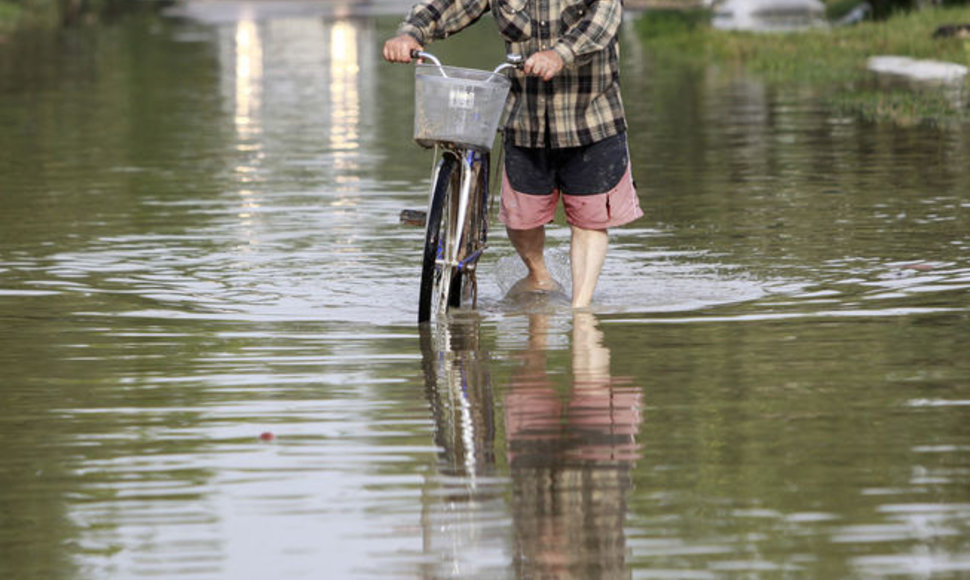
[{"x": 433, "y": 274}]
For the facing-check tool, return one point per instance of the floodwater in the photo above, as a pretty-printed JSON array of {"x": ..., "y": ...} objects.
[{"x": 210, "y": 367}]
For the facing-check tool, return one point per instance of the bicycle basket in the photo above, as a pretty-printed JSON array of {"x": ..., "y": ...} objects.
[{"x": 456, "y": 105}]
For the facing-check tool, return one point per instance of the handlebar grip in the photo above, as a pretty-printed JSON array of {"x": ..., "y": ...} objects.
[{"x": 420, "y": 54}]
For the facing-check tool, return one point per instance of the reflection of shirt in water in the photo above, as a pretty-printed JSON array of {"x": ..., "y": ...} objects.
[
  {"x": 581, "y": 105},
  {"x": 598, "y": 422}
]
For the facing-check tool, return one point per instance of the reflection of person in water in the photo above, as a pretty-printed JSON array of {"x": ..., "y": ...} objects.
[{"x": 571, "y": 453}]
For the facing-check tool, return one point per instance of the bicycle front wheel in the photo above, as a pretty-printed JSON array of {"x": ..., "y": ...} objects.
[{"x": 440, "y": 281}]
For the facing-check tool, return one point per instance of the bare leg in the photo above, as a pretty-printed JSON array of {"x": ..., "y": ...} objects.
[
  {"x": 530, "y": 244},
  {"x": 587, "y": 252}
]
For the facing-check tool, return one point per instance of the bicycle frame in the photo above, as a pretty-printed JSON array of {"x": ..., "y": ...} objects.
[
  {"x": 459, "y": 252},
  {"x": 468, "y": 161}
]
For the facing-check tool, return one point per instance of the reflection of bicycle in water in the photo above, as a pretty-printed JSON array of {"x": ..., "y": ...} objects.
[
  {"x": 457, "y": 110},
  {"x": 459, "y": 392},
  {"x": 570, "y": 446},
  {"x": 463, "y": 505}
]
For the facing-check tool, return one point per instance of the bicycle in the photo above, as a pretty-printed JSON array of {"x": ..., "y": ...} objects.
[{"x": 457, "y": 111}]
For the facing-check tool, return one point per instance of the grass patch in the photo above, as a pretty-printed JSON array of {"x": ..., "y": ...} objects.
[
  {"x": 902, "y": 107},
  {"x": 9, "y": 16},
  {"x": 832, "y": 59}
]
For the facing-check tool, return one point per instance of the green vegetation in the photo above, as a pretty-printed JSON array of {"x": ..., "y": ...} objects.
[
  {"x": 50, "y": 14},
  {"x": 9, "y": 15},
  {"x": 29, "y": 14},
  {"x": 901, "y": 107},
  {"x": 833, "y": 60}
]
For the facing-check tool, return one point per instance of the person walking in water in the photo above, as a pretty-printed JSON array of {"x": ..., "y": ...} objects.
[{"x": 566, "y": 130}]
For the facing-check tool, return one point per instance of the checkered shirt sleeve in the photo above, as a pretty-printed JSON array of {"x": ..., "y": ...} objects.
[{"x": 438, "y": 19}]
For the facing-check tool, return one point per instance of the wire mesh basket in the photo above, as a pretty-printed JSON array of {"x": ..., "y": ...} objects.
[{"x": 458, "y": 106}]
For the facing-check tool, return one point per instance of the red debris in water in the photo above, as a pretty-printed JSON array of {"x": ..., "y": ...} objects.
[
  {"x": 266, "y": 436},
  {"x": 920, "y": 267}
]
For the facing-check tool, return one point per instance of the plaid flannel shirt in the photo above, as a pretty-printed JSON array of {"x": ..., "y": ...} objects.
[{"x": 582, "y": 104}]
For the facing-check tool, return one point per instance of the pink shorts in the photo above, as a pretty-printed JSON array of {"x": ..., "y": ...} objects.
[{"x": 598, "y": 211}]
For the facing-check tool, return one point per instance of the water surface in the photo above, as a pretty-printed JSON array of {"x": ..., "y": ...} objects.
[{"x": 199, "y": 245}]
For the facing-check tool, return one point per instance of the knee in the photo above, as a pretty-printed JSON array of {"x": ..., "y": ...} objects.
[{"x": 589, "y": 231}]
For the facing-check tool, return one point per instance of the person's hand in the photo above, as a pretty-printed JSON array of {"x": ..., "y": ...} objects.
[
  {"x": 399, "y": 48},
  {"x": 545, "y": 65}
]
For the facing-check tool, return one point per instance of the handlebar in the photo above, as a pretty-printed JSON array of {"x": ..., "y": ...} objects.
[
  {"x": 514, "y": 60},
  {"x": 511, "y": 60}
]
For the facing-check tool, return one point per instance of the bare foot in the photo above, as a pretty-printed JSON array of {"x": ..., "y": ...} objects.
[
  {"x": 531, "y": 295},
  {"x": 529, "y": 289},
  {"x": 527, "y": 285}
]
